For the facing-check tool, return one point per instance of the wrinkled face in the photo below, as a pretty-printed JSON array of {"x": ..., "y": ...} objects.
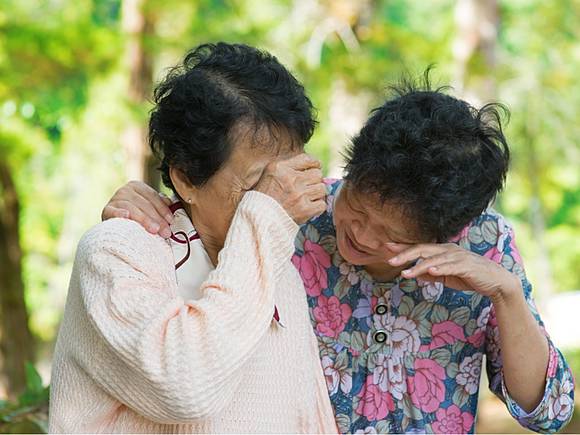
[
  {"x": 364, "y": 226},
  {"x": 215, "y": 203}
]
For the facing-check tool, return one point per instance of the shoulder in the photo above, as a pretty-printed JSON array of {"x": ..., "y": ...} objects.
[
  {"x": 321, "y": 228},
  {"x": 120, "y": 266},
  {"x": 332, "y": 185},
  {"x": 487, "y": 231},
  {"x": 123, "y": 240},
  {"x": 491, "y": 235}
]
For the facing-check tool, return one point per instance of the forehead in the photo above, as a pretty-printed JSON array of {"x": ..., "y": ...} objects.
[
  {"x": 387, "y": 212},
  {"x": 265, "y": 142},
  {"x": 391, "y": 216}
]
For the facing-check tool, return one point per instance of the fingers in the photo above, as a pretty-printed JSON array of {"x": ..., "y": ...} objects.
[
  {"x": 110, "y": 212},
  {"x": 396, "y": 248},
  {"x": 141, "y": 203},
  {"x": 420, "y": 251},
  {"x": 311, "y": 210},
  {"x": 303, "y": 161},
  {"x": 148, "y": 209},
  {"x": 144, "y": 219},
  {"x": 154, "y": 199},
  {"x": 319, "y": 207},
  {"x": 426, "y": 266},
  {"x": 450, "y": 268},
  {"x": 316, "y": 192},
  {"x": 167, "y": 200},
  {"x": 312, "y": 176},
  {"x": 296, "y": 184}
]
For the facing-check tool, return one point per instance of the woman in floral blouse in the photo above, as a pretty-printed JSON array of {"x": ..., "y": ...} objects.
[{"x": 411, "y": 278}]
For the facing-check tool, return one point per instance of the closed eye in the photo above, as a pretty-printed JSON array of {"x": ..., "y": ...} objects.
[
  {"x": 352, "y": 206},
  {"x": 251, "y": 178},
  {"x": 252, "y": 187}
]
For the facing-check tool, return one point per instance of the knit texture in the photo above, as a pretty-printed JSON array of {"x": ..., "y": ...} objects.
[{"x": 132, "y": 356}]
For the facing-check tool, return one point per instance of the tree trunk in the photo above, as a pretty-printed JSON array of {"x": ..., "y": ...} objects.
[
  {"x": 347, "y": 110},
  {"x": 545, "y": 287},
  {"x": 139, "y": 26},
  {"x": 16, "y": 343},
  {"x": 477, "y": 23},
  {"x": 347, "y": 115},
  {"x": 477, "y": 29}
]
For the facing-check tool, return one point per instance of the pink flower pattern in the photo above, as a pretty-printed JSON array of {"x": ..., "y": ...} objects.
[
  {"x": 374, "y": 404},
  {"x": 312, "y": 266},
  {"x": 426, "y": 387},
  {"x": 425, "y": 375},
  {"x": 331, "y": 316},
  {"x": 452, "y": 420}
]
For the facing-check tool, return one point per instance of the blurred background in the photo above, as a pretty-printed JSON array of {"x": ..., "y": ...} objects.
[{"x": 75, "y": 82}]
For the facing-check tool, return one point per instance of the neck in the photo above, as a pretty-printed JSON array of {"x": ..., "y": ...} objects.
[
  {"x": 383, "y": 272},
  {"x": 212, "y": 242}
]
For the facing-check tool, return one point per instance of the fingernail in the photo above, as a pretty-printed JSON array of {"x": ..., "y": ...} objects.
[
  {"x": 394, "y": 260},
  {"x": 154, "y": 227},
  {"x": 165, "y": 233},
  {"x": 406, "y": 272}
]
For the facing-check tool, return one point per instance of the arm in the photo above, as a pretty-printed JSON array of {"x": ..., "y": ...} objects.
[
  {"x": 526, "y": 364},
  {"x": 180, "y": 360},
  {"x": 516, "y": 324},
  {"x": 177, "y": 360}
]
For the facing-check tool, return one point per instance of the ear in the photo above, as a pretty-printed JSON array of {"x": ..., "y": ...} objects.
[{"x": 183, "y": 186}]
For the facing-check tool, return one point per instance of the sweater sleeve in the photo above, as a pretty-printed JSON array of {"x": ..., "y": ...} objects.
[{"x": 176, "y": 360}]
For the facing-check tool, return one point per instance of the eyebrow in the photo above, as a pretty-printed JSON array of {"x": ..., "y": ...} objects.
[
  {"x": 403, "y": 238},
  {"x": 399, "y": 238}
]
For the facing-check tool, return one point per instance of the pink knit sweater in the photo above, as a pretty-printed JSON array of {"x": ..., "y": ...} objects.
[{"x": 134, "y": 356}]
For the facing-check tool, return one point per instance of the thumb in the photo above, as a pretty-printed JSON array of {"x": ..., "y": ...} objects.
[{"x": 303, "y": 162}]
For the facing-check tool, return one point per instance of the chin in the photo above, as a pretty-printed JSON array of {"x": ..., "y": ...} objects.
[
  {"x": 348, "y": 259},
  {"x": 354, "y": 261}
]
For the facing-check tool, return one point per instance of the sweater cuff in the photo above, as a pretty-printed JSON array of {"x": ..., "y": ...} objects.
[{"x": 268, "y": 212}]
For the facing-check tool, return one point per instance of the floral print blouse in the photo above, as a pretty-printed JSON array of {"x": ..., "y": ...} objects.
[{"x": 406, "y": 356}]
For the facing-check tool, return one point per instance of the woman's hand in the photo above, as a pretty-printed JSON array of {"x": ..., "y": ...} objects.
[
  {"x": 143, "y": 204},
  {"x": 296, "y": 184},
  {"x": 456, "y": 268},
  {"x": 524, "y": 348}
]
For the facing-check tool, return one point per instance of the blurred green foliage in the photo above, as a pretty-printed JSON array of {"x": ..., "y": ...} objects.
[{"x": 29, "y": 413}]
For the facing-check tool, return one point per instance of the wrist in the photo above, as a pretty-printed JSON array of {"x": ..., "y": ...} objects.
[
  {"x": 509, "y": 292},
  {"x": 269, "y": 209}
]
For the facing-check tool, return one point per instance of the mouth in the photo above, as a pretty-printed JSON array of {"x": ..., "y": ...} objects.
[{"x": 354, "y": 247}]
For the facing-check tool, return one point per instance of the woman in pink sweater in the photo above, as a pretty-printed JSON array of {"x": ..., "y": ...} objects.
[{"x": 209, "y": 331}]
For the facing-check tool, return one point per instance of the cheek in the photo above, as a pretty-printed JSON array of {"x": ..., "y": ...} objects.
[
  {"x": 341, "y": 215},
  {"x": 221, "y": 204},
  {"x": 389, "y": 255},
  {"x": 227, "y": 195},
  {"x": 340, "y": 222}
]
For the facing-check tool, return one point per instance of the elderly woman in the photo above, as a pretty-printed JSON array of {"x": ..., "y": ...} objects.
[
  {"x": 208, "y": 332},
  {"x": 412, "y": 279}
]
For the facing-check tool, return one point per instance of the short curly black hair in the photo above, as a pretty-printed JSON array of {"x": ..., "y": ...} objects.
[
  {"x": 439, "y": 158},
  {"x": 217, "y": 87}
]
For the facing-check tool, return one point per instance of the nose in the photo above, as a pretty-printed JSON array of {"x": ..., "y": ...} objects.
[{"x": 364, "y": 236}]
